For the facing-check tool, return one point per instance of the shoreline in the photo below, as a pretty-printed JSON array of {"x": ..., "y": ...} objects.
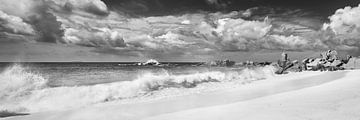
[
  {"x": 273, "y": 86},
  {"x": 335, "y": 100}
]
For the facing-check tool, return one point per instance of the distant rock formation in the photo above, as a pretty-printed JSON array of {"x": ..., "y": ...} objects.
[
  {"x": 227, "y": 63},
  {"x": 284, "y": 63},
  {"x": 328, "y": 61},
  {"x": 252, "y": 63},
  {"x": 353, "y": 63}
]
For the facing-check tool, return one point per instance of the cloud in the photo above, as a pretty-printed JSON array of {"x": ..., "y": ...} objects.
[
  {"x": 239, "y": 34},
  {"x": 96, "y": 7},
  {"x": 217, "y": 3},
  {"x": 95, "y": 38},
  {"x": 345, "y": 24},
  {"x": 287, "y": 42},
  {"x": 91, "y": 23},
  {"x": 20, "y": 8},
  {"x": 201, "y": 33},
  {"x": 34, "y": 12},
  {"x": 213, "y": 1},
  {"x": 40, "y": 14},
  {"x": 15, "y": 25}
]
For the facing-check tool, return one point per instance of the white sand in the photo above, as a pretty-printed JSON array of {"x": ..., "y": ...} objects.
[{"x": 307, "y": 95}]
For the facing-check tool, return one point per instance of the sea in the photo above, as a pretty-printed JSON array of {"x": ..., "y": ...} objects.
[{"x": 51, "y": 86}]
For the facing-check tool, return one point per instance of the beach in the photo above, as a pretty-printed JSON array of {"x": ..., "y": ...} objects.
[
  {"x": 179, "y": 60},
  {"x": 305, "y": 95}
]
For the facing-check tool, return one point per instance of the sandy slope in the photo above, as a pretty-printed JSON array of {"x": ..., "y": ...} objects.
[
  {"x": 331, "y": 95},
  {"x": 337, "y": 100}
]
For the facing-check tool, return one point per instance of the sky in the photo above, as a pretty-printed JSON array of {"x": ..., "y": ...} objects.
[{"x": 175, "y": 30}]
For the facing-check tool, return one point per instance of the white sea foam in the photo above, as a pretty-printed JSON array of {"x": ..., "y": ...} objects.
[
  {"x": 15, "y": 81},
  {"x": 27, "y": 92}
]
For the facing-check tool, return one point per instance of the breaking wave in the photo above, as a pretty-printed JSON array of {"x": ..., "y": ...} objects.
[
  {"x": 15, "y": 81},
  {"x": 24, "y": 91}
]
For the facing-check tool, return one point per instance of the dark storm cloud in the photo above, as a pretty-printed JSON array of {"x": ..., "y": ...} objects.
[
  {"x": 157, "y": 7},
  {"x": 46, "y": 24},
  {"x": 36, "y": 16},
  {"x": 162, "y": 7}
]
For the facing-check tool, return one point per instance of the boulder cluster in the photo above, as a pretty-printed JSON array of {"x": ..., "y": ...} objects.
[
  {"x": 328, "y": 61},
  {"x": 226, "y": 63}
]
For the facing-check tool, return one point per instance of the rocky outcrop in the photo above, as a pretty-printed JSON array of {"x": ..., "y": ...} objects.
[
  {"x": 328, "y": 61},
  {"x": 227, "y": 63}
]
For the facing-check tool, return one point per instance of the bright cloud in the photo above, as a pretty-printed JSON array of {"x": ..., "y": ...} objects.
[
  {"x": 91, "y": 23},
  {"x": 345, "y": 23},
  {"x": 14, "y": 24}
]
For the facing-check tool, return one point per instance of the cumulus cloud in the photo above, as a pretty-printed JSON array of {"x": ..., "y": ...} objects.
[
  {"x": 91, "y": 23},
  {"x": 217, "y": 3},
  {"x": 345, "y": 21},
  {"x": 88, "y": 6},
  {"x": 199, "y": 32},
  {"x": 21, "y": 8},
  {"x": 96, "y": 38},
  {"x": 345, "y": 24},
  {"x": 288, "y": 42},
  {"x": 239, "y": 34},
  {"x": 33, "y": 12},
  {"x": 40, "y": 14},
  {"x": 14, "y": 24}
]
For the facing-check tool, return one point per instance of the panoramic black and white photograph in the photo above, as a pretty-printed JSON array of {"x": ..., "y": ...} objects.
[{"x": 179, "y": 59}]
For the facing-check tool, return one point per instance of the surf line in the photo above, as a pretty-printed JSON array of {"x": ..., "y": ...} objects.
[{"x": 227, "y": 96}]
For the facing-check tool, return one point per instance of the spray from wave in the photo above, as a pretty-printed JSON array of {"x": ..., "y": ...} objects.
[
  {"x": 15, "y": 81},
  {"x": 27, "y": 92}
]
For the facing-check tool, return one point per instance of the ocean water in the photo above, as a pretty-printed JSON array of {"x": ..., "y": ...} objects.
[
  {"x": 37, "y": 87},
  {"x": 80, "y": 74}
]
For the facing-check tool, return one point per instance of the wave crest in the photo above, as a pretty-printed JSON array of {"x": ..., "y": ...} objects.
[
  {"x": 40, "y": 98},
  {"x": 16, "y": 81}
]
